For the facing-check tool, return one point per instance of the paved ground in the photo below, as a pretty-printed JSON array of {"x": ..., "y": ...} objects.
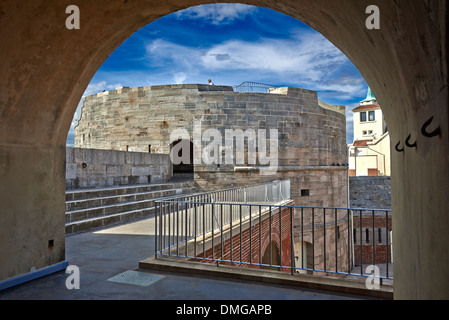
[{"x": 115, "y": 252}]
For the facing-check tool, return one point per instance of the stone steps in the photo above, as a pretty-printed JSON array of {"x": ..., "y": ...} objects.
[{"x": 87, "y": 209}]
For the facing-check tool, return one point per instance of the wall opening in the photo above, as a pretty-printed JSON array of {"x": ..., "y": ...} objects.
[{"x": 272, "y": 256}]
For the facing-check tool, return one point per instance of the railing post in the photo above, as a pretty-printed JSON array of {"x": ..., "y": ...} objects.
[
  {"x": 280, "y": 236},
  {"x": 302, "y": 238},
  {"x": 165, "y": 210},
  {"x": 269, "y": 236},
  {"x": 260, "y": 234},
  {"x": 155, "y": 230},
  {"x": 230, "y": 230},
  {"x": 349, "y": 242},
  {"x": 336, "y": 240},
  {"x": 387, "y": 233},
  {"x": 374, "y": 242},
  {"x": 324, "y": 237},
  {"x": 203, "y": 209},
  {"x": 250, "y": 236},
  {"x": 361, "y": 244},
  {"x": 221, "y": 229},
  {"x": 212, "y": 221},
  {"x": 313, "y": 239},
  {"x": 292, "y": 239},
  {"x": 177, "y": 228},
  {"x": 195, "y": 231}
]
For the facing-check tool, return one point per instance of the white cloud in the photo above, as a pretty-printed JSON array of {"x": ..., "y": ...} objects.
[
  {"x": 165, "y": 54},
  {"x": 307, "y": 59},
  {"x": 308, "y": 56},
  {"x": 221, "y": 13},
  {"x": 93, "y": 88},
  {"x": 179, "y": 77}
]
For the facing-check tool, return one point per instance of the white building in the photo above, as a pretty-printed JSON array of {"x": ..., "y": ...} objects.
[{"x": 369, "y": 154}]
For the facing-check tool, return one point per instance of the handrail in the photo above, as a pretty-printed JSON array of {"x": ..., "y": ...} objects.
[
  {"x": 251, "y": 86},
  {"x": 206, "y": 226}
]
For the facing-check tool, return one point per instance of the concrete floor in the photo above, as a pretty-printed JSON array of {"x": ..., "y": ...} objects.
[{"x": 103, "y": 254}]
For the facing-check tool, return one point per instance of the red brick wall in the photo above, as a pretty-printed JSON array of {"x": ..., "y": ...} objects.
[
  {"x": 363, "y": 250},
  {"x": 249, "y": 251}
]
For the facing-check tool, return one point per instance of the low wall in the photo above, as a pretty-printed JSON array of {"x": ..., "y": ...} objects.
[
  {"x": 370, "y": 192},
  {"x": 372, "y": 231},
  {"x": 93, "y": 168}
]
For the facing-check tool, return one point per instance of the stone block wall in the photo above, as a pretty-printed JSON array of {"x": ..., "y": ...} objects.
[
  {"x": 92, "y": 168},
  {"x": 370, "y": 192}
]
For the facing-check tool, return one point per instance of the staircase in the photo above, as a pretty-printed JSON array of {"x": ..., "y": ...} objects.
[{"x": 88, "y": 209}]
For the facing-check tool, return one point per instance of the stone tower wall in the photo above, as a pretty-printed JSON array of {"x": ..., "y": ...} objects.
[{"x": 312, "y": 144}]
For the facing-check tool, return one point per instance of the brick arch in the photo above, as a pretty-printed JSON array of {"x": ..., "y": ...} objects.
[
  {"x": 274, "y": 238},
  {"x": 275, "y": 254}
]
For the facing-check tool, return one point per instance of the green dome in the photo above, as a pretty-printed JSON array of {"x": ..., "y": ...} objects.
[{"x": 370, "y": 96}]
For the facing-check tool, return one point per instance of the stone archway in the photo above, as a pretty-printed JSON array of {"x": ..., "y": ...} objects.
[
  {"x": 45, "y": 69},
  {"x": 272, "y": 256}
]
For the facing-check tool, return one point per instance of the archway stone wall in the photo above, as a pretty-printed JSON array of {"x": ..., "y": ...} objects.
[{"x": 45, "y": 69}]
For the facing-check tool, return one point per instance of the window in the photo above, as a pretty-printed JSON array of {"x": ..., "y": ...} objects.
[
  {"x": 370, "y": 132},
  {"x": 364, "y": 132},
  {"x": 362, "y": 116},
  {"x": 371, "y": 116},
  {"x": 305, "y": 192}
]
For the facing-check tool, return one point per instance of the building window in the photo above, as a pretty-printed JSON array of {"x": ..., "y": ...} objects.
[
  {"x": 364, "y": 132},
  {"x": 370, "y": 132},
  {"x": 362, "y": 116},
  {"x": 371, "y": 116},
  {"x": 305, "y": 192}
]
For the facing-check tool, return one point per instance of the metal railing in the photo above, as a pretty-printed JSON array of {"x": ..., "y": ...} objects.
[
  {"x": 255, "y": 226},
  {"x": 250, "y": 86}
]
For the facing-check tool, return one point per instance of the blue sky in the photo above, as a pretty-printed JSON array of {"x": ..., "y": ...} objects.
[{"x": 232, "y": 43}]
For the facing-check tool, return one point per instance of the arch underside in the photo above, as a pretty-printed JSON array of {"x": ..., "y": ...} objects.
[{"x": 45, "y": 69}]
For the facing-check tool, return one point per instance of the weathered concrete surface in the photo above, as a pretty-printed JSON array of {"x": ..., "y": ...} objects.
[
  {"x": 45, "y": 69},
  {"x": 109, "y": 252},
  {"x": 32, "y": 193}
]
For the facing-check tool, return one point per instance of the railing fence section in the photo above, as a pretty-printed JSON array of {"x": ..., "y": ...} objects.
[{"x": 258, "y": 227}]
